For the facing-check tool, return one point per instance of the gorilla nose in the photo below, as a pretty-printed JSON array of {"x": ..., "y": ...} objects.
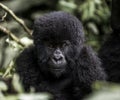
[{"x": 57, "y": 58}]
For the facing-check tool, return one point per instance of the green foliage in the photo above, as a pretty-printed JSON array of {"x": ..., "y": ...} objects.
[
  {"x": 68, "y": 6},
  {"x": 95, "y": 15},
  {"x": 105, "y": 91},
  {"x": 19, "y": 92}
]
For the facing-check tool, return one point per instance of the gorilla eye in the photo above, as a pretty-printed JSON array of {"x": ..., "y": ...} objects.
[
  {"x": 49, "y": 45},
  {"x": 65, "y": 43}
]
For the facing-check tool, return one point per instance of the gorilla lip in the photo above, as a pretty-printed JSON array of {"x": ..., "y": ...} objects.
[{"x": 57, "y": 63}]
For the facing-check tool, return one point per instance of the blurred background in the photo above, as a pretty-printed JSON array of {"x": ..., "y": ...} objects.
[{"x": 94, "y": 14}]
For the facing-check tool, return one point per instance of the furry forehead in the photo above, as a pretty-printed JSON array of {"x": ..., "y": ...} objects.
[{"x": 58, "y": 25}]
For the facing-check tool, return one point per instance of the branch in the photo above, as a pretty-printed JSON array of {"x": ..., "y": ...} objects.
[
  {"x": 3, "y": 17},
  {"x": 8, "y": 32},
  {"x": 9, "y": 68},
  {"x": 20, "y": 21}
]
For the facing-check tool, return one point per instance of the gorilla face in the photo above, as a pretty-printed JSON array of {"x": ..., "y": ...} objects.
[
  {"x": 54, "y": 57},
  {"x": 57, "y": 60}
]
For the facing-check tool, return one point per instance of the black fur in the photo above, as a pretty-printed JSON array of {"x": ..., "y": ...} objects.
[
  {"x": 83, "y": 68},
  {"x": 110, "y": 50},
  {"x": 110, "y": 55}
]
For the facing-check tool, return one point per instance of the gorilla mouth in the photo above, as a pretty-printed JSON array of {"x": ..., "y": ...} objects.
[
  {"x": 57, "y": 65},
  {"x": 59, "y": 62},
  {"x": 56, "y": 68}
]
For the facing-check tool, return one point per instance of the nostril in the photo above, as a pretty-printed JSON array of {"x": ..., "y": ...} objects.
[
  {"x": 57, "y": 52},
  {"x": 57, "y": 58}
]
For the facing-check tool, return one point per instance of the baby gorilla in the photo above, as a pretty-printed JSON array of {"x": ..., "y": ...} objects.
[{"x": 59, "y": 62}]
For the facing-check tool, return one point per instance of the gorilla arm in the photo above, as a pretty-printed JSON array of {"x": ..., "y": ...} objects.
[{"x": 26, "y": 67}]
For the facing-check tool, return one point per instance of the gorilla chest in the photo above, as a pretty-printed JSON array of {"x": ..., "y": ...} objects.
[{"x": 58, "y": 88}]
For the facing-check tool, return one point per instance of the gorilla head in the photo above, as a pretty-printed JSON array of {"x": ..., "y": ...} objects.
[{"x": 58, "y": 38}]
